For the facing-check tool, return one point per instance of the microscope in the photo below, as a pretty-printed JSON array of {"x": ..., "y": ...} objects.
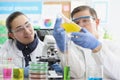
[{"x": 50, "y": 55}]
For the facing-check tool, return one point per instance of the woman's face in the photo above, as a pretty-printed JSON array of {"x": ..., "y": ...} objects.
[
  {"x": 85, "y": 19},
  {"x": 22, "y": 30}
]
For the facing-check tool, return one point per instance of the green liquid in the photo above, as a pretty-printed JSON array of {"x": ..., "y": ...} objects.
[{"x": 66, "y": 73}]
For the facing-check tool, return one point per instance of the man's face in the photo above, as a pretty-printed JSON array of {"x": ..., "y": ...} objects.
[
  {"x": 84, "y": 19},
  {"x": 22, "y": 30}
]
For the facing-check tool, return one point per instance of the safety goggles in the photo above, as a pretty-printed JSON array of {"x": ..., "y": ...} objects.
[
  {"x": 83, "y": 20},
  {"x": 20, "y": 29}
]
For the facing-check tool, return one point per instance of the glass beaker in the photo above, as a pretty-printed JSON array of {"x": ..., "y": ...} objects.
[
  {"x": 7, "y": 73},
  {"x": 7, "y": 70},
  {"x": 95, "y": 72},
  {"x": 18, "y": 74}
]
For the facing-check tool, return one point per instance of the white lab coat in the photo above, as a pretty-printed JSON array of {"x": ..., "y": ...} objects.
[
  {"x": 109, "y": 57},
  {"x": 9, "y": 50},
  {"x": 79, "y": 58}
]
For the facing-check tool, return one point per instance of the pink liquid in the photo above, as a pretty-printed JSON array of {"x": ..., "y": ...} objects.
[{"x": 7, "y": 73}]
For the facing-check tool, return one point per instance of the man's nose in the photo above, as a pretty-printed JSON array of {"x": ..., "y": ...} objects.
[{"x": 81, "y": 24}]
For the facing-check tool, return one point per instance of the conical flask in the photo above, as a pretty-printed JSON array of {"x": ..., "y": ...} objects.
[{"x": 69, "y": 25}]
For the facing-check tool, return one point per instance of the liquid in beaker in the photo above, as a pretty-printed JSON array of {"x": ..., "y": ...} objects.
[
  {"x": 69, "y": 25},
  {"x": 95, "y": 72},
  {"x": 18, "y": 74},
  {"x": 7, "y": 73}
]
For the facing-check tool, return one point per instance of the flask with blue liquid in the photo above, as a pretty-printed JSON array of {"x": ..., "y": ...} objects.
[{"x": 95, "y": 72}]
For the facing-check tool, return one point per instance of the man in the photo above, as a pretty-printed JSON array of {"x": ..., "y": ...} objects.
[
  {"x": 87, "y": 48},
  {"x": 23, "y": 45}
]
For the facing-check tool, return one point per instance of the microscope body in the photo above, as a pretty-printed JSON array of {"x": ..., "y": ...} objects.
[{"x": 50, "y": 55}]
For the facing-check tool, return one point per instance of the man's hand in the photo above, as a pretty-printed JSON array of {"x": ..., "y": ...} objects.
[
  {"x": 85, "y": 39},
  {"x": 60, "y": 35}
]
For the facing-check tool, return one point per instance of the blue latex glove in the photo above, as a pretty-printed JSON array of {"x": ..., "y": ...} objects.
[
  {"x": 60, "y": 35},
  {"x": 26, "y": 72},
  {"x": 57, "y": 68},
  {"x": 85, "y": 39}
]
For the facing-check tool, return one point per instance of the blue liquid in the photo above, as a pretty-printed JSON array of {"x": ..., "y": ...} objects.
[{"x": 95, "y": 79}]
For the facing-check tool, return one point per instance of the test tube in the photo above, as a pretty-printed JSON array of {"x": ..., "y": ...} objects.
[{"x": 66, "y": 73}]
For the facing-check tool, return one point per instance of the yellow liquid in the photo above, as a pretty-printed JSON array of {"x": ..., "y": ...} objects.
[
  {"x": 71, "y": 27},
  {"x": 18, "y": 74}
]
